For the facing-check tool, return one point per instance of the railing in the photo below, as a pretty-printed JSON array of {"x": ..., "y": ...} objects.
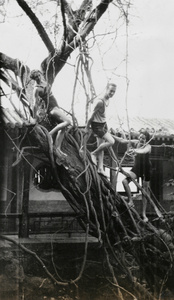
[{"x": 39, "y": 223}]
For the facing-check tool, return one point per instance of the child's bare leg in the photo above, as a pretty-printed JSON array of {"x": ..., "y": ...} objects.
[
  {"x": 100, "y": 158},
  {"x": 128, "y": 191},
  {"x": 58, "y": 115},
  {"x": 126, "y": 186},
  {"x": 58, "y": 141},
  {"x": 102, "y": 143},
  {"x": 59, "y": 127},
  {"x": 100, "y": 162},
  {"x": 61, "y": 118}
]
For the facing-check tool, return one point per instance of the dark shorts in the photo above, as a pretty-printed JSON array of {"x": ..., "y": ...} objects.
[{"x": 99, "y": 128}]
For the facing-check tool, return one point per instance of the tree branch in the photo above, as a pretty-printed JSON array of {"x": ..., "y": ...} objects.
[
  {"x": 90, "y": 23},
  {"x": 56, "y": 60},
  {"x": 41, "y": 31}
]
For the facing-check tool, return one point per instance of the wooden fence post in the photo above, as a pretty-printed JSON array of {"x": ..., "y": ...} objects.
[{"x": 24, "y": 221}]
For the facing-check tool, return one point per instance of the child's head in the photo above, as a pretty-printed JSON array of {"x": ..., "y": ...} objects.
[
  {"x": 145, "y": 133},
  {"x": 35, "y": 74}
]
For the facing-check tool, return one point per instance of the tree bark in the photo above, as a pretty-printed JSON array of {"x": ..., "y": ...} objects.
[{"x": 110, "y": 219}]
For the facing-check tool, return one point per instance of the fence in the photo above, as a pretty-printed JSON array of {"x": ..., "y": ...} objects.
[{"x": 39, "y": 223}]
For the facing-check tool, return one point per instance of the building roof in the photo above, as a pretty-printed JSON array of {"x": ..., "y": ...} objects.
[
  {"x": 11, "y": 118},
  {"x": 157, "y": 127}
]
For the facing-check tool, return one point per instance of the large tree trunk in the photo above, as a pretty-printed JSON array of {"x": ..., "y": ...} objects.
[{"x": 105, "y": 213}]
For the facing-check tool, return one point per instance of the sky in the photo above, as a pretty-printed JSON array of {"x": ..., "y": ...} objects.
[{"x": 144, "y": 53}]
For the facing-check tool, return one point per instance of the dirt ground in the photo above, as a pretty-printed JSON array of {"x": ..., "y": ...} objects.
[{"x": 23, "y": 278}]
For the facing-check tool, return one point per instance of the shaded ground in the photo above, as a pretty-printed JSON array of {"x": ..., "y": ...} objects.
[{"x": 64, "y": 261}]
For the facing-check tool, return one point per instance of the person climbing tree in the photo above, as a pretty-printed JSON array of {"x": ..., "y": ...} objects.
[
  {"x": 141, "y": 169},
  {"x": 99, "y": 126},
  {"x": 44, "y": 102}
]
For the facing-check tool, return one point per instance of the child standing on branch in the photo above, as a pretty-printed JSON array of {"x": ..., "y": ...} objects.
[
  {"x": 141, "y": 169},
  {"x": 42, "y": 96},
  {"x": 99, "y": 126}
]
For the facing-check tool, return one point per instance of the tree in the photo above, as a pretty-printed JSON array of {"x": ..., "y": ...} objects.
[{"x": 101, "y": 211}]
